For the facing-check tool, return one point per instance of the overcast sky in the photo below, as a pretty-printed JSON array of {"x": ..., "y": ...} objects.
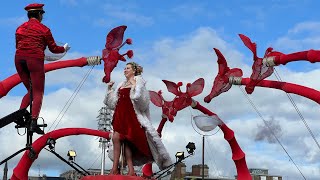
[{"x": 175, "y": 41}]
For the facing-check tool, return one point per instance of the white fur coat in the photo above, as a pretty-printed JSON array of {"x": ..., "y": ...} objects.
[{"x": 140, "y": 99}]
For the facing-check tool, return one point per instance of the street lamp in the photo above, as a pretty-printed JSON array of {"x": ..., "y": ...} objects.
[
  {"x": 179, "y": 156},
  {"x": 72, "y": 155},
  {"x": 206, "y": 124},
  {"x": 191, "y": 147}
]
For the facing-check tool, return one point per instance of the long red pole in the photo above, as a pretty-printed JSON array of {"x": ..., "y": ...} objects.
[
  {"x": 10, "y": 82},
  {"x": 288, "y": 88}
]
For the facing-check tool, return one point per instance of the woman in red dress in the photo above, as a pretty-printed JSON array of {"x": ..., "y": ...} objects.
[{"x": 131, "y": 123}]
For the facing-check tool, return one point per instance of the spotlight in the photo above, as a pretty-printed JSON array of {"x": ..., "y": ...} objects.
[
  {"x": 51, "y": 143},
  {"x": 191, "y": 147},
  {"x": 72, "y": 155},
  {"x": 179, "y": 156}
]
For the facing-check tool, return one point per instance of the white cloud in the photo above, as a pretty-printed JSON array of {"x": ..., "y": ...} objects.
[
  {"x": 13, "y": 21},
  {"x": 127, "y": 14},
  {"x": 300, "y": 37},
  {"x": 305, "y": 27}
]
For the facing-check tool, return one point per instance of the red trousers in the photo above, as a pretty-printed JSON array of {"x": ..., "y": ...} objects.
[{"x": 32, "y": 68}]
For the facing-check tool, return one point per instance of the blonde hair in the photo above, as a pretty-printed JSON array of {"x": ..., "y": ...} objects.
[{"x": 136, "y": 67}]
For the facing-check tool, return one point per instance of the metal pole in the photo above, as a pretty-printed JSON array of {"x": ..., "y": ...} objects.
[
  {"x": 103, "y": 156},
  {"x": 202, "y": 157}
]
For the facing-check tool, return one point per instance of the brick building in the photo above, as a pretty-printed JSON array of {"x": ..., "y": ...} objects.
[
  {"x": 180, "y": 172},
  {"x": 262, "y": 174}
]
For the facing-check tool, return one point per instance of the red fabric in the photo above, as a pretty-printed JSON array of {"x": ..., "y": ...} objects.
[
  {"x": 35, "y": 68},
  {"x": 126, "y": 123},
  {"x": 32, "y": 38},
  {"x": 34, "y": 6}
]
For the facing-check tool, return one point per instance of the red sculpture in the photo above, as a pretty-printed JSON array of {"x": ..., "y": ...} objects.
[
  {"x": 167, "y": 106},
  {"x": 184, "y": 99},
  {"x": 225, "y": 79},
  {"x": 259, "y": 70},
  {"x": 221, "y": 82},
  {"x": 263, "y": 67},
  {"x": 20, "y": 172},
  {"x": 110, "y": 54}
]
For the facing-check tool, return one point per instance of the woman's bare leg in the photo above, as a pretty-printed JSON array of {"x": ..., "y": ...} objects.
[
  {"x": 116, "y": 153},
  {"x": 128, "y": 155}
]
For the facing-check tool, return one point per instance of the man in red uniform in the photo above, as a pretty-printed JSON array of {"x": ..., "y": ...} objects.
[{"x": 32, "y": 38}]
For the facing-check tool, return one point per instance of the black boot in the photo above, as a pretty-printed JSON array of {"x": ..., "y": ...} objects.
[{"x": 35, "y": 128}]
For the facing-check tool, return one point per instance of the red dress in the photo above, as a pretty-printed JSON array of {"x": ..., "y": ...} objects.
[{"x": 125, "y": 122}]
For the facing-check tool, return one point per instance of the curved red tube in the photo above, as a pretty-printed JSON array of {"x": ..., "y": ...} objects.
[
  {"x": 7, "y": 84},
  {"x": 289, "y": 88},
  {"x": 238, "y": 156},
  {"x": 20, "y": 172},
  {"x": 312, "y": 56}
]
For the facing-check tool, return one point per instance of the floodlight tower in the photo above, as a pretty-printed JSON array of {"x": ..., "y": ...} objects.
[{"x": 104, "y": 124}]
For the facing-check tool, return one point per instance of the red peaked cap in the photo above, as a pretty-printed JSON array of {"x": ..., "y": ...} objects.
[{"x": 34, "y": 7}]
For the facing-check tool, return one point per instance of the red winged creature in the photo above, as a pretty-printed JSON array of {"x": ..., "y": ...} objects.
[
  {"x": 263, "y": 67},
  {"x": 110, "y": 54},
  {"x": 168, "y": 111},
  {"x": 227, "y": 77},
  {"x": 221, "y": 82},
  {"x": 184, "y": 99},
  {"x": 260, "y": 70}
]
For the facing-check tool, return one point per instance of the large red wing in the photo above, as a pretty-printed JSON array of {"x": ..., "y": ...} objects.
[
  {"x": 115, "y": 37},
  {"x": 222, "y": 62},
  {"x": 156, "y": 98},
  {"x": 196, "y": 87},
  {"x": 172, "y": 87},
  {"x": 252, "y": 46}
]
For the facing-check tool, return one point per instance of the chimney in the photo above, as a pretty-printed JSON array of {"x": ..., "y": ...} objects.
[
  {"x": 197, "y": 170},
  {"x": 179, "y": 171}
]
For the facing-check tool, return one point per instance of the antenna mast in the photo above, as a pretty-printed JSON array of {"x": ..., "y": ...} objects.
[{"x": 104, "y": 124}]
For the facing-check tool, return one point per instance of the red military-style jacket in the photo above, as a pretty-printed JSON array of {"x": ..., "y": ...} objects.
[{"x": 32, "y": 38}]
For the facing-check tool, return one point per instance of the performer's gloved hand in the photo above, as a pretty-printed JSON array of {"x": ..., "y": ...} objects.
[
  {"x": 110, "y": 84},
  {"x": 66, "y": 47}
]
